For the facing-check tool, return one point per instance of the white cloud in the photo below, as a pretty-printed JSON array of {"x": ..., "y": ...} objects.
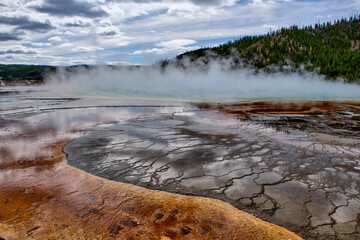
[
  {"x": 18, "y": 50},
  {"x": 41, "y": 44},
  {"x": 266, "y": 3},
  {"x": 271, "y": 26},
  {"x": 176, "y": 43},
  {"x": 108, "y": 30},
  {"x": 86, "y": 49},
  {"x": 67, "y": 44},
  {"x": 172, "y": 46},
  {"x": 55, "y": 39},
  {"x": 152, "y": 50},
  {"x": 70, "y": 33}
]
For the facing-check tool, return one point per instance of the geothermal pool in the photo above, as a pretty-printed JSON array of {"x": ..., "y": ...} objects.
[{"x": 292, "y": 163}]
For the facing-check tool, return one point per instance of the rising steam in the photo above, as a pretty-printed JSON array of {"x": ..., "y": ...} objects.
[{"x": 216, "y": 83}]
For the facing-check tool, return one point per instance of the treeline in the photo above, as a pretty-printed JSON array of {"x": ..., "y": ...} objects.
[
  {"x": 24, "y": 72},
  {"x": 330, "y": 48},
  {"x": 15, "y": 72}
]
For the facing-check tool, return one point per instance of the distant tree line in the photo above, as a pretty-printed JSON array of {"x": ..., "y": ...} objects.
[{"x": 15, "y": 72}]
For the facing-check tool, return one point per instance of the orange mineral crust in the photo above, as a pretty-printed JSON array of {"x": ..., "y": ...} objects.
[
  {"x": 56, "y": 201},
  {"x": 271, "y": 107}
]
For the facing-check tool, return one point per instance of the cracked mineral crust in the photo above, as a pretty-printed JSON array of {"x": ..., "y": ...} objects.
[{"x": 294, "y": 165}]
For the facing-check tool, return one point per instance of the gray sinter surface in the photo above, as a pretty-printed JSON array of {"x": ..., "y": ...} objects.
[{"x": 305, "y": 182}]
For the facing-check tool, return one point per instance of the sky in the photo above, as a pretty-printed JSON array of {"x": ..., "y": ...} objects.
[{"x": 129, "y": 32}]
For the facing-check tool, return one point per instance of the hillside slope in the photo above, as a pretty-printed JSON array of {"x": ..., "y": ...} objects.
[{"x": 330, "y": 48}]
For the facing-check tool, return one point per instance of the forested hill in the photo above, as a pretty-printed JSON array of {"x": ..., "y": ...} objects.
[{"x": 330, "y": 48}]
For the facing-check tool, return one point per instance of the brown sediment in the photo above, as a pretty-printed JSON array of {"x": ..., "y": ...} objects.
[
  {"x": 269, "y": 107},
  {"x": 51, "y": 200},
  {"x": 39, "y": 161}
]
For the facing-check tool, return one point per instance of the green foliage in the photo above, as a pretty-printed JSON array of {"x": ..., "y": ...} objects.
[
  {"x": 332, "y": 47},
  {"x": 24, "y": 72}
]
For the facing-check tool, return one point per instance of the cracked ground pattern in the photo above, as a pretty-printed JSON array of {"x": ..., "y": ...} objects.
[{"x": 307, "y": 181}]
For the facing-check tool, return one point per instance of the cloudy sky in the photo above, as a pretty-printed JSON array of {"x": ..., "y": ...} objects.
[{"x": 68, "y": 32}]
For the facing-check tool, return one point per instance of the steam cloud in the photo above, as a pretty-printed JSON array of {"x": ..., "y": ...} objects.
[{"x": 217, "y": 83}]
